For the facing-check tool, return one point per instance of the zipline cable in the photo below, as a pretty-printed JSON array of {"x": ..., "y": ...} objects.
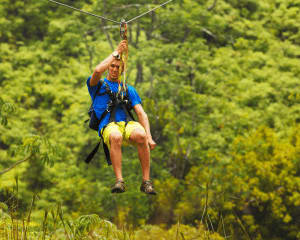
[
  {"x": 149, "y": 11},
  {"x": 88, "y": 13},
  {"x": 94, "y": 15}
]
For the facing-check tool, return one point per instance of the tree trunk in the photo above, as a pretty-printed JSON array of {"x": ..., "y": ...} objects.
[{"x": 139, "y": 74}]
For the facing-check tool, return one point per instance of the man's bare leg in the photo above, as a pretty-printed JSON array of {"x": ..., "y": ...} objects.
[
  {"x": 139, "y": 137},
  {"x": 115, "y": 139}
]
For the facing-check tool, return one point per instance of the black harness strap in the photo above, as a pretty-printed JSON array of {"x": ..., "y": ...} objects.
[
  {"x": 106, "y": 151},
  {"x": 92, "y": 153}
]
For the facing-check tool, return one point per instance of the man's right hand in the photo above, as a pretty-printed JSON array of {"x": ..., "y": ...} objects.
[{"x": 122, "y": 47}]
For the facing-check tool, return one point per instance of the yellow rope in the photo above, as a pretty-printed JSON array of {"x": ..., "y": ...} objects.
[
  {"x": 125, "y": 59},
  {"x": 123, "y": 65}
]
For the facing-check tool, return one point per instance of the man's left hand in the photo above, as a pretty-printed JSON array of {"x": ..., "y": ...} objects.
[{"x": 151, "y": 143}]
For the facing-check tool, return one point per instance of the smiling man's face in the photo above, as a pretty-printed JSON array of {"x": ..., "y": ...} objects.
[{"x": 113, "y": 70}]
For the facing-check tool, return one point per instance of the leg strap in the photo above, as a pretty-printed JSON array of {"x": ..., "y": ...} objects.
[{"x": 92, "y": 154}]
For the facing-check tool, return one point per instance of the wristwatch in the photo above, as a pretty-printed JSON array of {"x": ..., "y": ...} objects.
[{"x": 116, "y": 54}]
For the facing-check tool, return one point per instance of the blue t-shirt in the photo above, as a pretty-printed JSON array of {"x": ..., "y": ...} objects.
[{"x": 100, "y": 102}]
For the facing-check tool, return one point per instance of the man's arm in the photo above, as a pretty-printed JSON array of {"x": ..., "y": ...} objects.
[
  {"x": 100, "y": 69},
  {"x": 143, "y": 120},
  {"x": 104, "y": 65}
]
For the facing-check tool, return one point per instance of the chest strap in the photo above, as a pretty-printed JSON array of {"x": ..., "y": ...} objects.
[{"x": 116, "y": 101}]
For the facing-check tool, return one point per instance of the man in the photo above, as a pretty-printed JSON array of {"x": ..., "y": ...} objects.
[{"x": 114, "y": 133}]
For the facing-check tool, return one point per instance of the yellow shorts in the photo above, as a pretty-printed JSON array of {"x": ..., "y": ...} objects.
[{"x": 120, "y": 127}]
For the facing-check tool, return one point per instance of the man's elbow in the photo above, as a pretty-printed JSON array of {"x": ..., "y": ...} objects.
[
  {"x": 145, "y": 115},
  {"x": 142, "y": 115},
  {"x": 95, "y": 77},
  {"x": 98, "y": 71}
]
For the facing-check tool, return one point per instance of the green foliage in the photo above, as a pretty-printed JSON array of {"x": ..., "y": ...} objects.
[
  {"x": 90, "y": 227},
  {"x": 177, "y": 231},
  {"x": 5, "y": 110},
  {"x": 257, "y": 187}
]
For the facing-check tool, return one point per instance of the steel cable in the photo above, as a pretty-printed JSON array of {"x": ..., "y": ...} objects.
[
  {"x": 148, "y": 11},
  {"x": 94, "y": 15},
  {"x": 88, "y": 13}
]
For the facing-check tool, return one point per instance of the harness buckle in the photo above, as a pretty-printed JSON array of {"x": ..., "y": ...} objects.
[{"x": 109, "y": 106}]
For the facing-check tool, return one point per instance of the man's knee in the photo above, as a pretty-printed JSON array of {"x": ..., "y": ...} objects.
[
  {"x": 115, "y": 138},
  {"x": 139, "y": 136}
]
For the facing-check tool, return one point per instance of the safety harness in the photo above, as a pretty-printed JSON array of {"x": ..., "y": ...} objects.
[{"x": 118, "y": 99}]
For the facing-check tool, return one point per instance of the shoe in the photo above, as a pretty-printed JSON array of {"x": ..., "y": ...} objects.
[
  {"x": 147, "y": 187},
  {"x": 119, "y": 187}
]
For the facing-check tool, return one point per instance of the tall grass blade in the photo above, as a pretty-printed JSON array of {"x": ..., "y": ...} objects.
[{"x": 29, "y": 214}]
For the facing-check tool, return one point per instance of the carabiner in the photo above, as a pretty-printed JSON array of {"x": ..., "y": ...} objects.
[{"x": 123, "y": 29}]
